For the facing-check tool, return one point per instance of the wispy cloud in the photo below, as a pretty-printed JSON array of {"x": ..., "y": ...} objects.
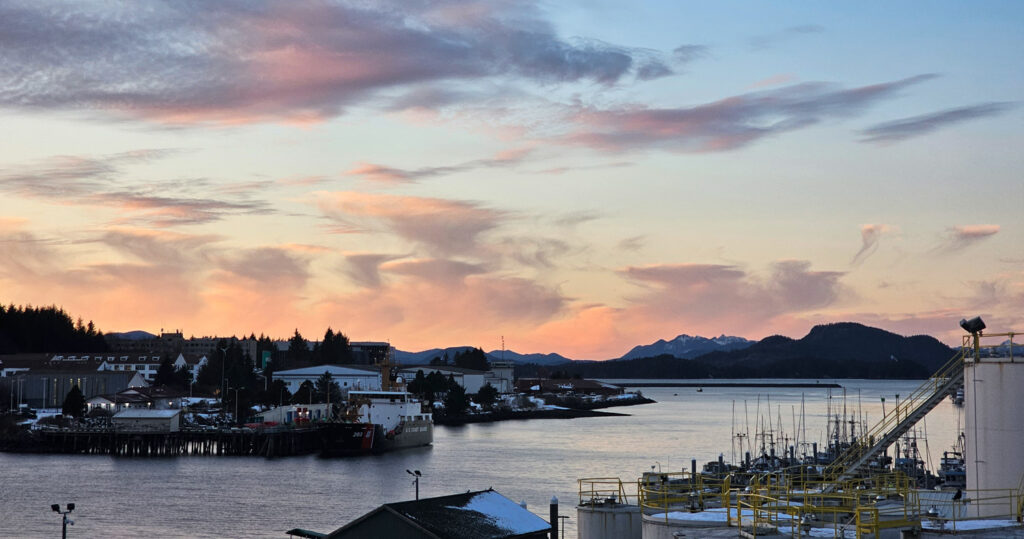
[
  {"x": 242, "y": 61},
  {"x": 443, "y": 227},
  {"x": 774, "y": 80},
  {"x": 961, "y": 237},
  {"x": 689, "y": 53},
  {"x": 102, "y": 181},
  {"x": 916, "y": 126},
  {"x": 869, "y": 237},
  {"x": 729, "y": 123},
  {"x": 771, "y": 40},
  {"x": 716, "y": 293},
  {"x": 383, "y": 173}
]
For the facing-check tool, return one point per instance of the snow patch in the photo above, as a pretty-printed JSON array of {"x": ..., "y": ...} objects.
[{"x": 504, "y": 513}]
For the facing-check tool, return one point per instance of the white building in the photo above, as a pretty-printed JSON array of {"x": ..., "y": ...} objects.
[
  {"x": 142, "y": 420},
  {"x": 295, "y": 413},
  {"x": 471, "y": 380},
  {"x": 348, "y": 377}
]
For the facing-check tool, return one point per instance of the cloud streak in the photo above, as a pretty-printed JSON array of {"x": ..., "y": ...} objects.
[
  {"x": 727, "y": 124},
  {"x": 869, "y": 237},
  {"x": 961, "y": 237},
  {"x": 916, "y": 126},
  {"x": 100, "y": 181},
  {"x": 239, "y": 61},
  {"x": 443, "y": 227},
  {"x": 382, "y": 173}
]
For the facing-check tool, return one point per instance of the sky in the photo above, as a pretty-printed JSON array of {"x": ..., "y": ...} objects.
[{"x": 576, "y": 177}]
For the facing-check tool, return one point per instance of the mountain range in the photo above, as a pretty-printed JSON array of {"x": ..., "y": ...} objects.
[{"x": 687, "y": 347}]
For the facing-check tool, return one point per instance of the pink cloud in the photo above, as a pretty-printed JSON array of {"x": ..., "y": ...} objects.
[
  {"x": 726, "y": 124},
  {"x": 774, "y": 80},
  {"x": 441, "y": 226},
  {"x": 961, "y": 237},
  {"x": 242, "y": 61}
]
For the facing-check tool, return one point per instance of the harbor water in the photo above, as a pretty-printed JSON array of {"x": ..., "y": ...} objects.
[{"x": 529, "y": 461}]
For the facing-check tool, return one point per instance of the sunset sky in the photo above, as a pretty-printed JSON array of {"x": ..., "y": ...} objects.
[{"x": 577, "y": 176}]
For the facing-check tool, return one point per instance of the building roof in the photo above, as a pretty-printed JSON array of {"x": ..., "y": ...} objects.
[
  {"x": 446, "y": 369},
  {"x": 335, "y": 370},
  {"x": 145, "y": 413},
  {"x": 474, "y": 515}
]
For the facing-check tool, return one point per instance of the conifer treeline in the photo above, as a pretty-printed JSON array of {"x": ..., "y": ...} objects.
[{"x": 46, "y": 329}]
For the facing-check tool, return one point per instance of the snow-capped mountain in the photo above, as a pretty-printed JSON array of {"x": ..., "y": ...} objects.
[{"x": 688, "y": 347}]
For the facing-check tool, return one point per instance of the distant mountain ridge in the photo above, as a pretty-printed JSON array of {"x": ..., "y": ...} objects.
[
  {"x": 842, "y": 342},
  {"x": 423, "y": 357},
  {"x": 688, "y": 347}
]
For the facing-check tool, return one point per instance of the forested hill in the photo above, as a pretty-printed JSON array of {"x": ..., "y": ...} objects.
[
  {"x": 46, "y": 329},
  {"x": 842, "y": 350},
  {"x": 845, "y": 342}
]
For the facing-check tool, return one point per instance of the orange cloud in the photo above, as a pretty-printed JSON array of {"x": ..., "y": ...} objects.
[{"x": 444, "y": 227}]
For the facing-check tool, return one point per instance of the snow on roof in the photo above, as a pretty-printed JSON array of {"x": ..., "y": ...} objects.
[
  {"x": 505, "y": 513},
  {"x": 483, "y": 514},
  {"x": 135, "y": 413}
]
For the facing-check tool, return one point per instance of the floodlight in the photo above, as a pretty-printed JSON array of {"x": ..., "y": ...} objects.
[
  {"x": 56, "y": 508},
  {"x": 71, "y": 507},
  {"x": 973, "y": 326}
]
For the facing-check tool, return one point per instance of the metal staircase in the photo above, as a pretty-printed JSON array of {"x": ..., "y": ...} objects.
[{"x": 897, "y": 421}]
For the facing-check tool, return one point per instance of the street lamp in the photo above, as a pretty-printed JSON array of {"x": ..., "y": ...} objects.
[
  {"x": 416, "y": 474},
  {"x": 65, "y": 519},
  {"x": 236, "y": 402}
]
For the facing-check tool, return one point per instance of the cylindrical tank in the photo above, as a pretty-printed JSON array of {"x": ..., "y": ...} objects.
[
  {"x": 994, "y": 452},
  {"x": 608, "y": 520}
]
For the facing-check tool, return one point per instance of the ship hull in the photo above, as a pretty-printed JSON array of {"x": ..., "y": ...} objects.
[{"x": 347, "y": 439}]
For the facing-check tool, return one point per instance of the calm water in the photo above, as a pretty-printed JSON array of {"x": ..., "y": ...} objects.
[{"x": 524, "y": 460}]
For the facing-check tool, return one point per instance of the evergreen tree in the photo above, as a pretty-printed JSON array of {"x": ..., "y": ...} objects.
[
  {"x": 455, "y": 402},
  {"x": 298, "y": 351},
  {"x": 487, "y": 396},
  {"x": 305, "y": 394},
  {"x": 165, "y": 373},
  {"x": 474, "y": 358},
  {"x": 183, "y": 377},
  {"x": 74, "y": 403},
  {"x": 327, "y": 389}
]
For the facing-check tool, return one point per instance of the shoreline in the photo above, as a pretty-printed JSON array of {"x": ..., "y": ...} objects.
[
  {"x": 595, "y": 410},
  {"x": 829, "y": 385}
]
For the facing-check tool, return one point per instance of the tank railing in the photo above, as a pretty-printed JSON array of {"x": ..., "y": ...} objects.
[
  {"x": 901, "y": 411},
  {"x": 985, "y": 504},
  {"x": 682, "y": 491},
  {"x": 759, "y": 512},
  {"x": 599, "y": 490},
  {"x": 974, "y": 343}
]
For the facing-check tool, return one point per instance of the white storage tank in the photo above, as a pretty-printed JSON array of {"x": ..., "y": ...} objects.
[
  {"x": 608, "y": 520},
  {"x": 993, "y": 408}
]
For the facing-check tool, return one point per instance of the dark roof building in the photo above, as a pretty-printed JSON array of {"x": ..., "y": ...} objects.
[{"x": 474, "y": 515}]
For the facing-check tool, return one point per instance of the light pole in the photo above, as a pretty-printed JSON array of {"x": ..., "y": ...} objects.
[
  {"x": 64, "y": 520},
  {"x": 416, "y": 474},
  {"x": 236, "y": 402}
]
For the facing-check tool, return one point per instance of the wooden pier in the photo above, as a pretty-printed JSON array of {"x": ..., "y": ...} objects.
[{"x": 225, "y": 442}]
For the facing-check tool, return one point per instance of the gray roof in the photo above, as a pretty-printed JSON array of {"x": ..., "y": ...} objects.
[
  {"x": 136, "y": 413},
  {"x": 474, "y": 515}
]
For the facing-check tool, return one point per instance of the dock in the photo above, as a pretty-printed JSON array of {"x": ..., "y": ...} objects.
[{"x": 223, "y": 442}]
